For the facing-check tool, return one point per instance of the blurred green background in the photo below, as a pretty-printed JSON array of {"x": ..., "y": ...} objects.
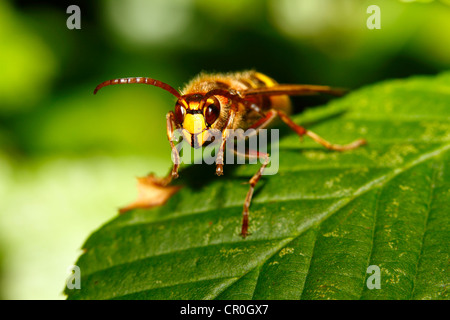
[{"x": 68, "y": 158}]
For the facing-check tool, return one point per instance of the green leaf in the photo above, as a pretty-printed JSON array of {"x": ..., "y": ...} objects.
[{"x": 317, "y": 225}]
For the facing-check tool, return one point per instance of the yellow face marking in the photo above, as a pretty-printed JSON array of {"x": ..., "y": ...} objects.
[
  {"x": 194, "y": 130},
  {"x": 196, "y": 140},
  {"x": 194, "y": 105},
  {"x": 194, "y": 123}
]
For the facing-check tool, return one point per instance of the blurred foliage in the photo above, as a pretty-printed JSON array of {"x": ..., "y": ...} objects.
[
  {"x": 68, "y": 158},
  {"x": 26, "y": 74}
]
